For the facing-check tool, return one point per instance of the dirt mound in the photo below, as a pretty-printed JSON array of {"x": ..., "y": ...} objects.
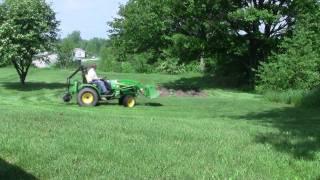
[{"x": 181, "y": 93}]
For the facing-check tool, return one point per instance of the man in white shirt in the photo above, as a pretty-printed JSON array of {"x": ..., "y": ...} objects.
[{"x": 93, "y": 78}]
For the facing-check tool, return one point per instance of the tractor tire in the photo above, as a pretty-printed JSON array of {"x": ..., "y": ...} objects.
[
  {"x": 88, "y": 97},
  {"x": 129, "y": 101},
  {"x": 67, "y": 98},
  {"x": 121, "y": 100}
]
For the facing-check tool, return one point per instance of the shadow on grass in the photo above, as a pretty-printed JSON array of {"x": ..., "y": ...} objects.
[
  {"x": 106, "y": 103},
  {"x": 206, "y": 82},
  {"x": 153, "y": 104},
  {"x": 32, "y": 86},
  {"x": 311, "y": 99},
  {"x": 298, "y": 130},
  {"x": 9, "y": 171}
]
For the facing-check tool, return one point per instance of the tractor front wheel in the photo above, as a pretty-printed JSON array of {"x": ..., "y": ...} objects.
[
  {"x": 87, "y": 97},
  {"x": 121, "y": 100},
  {"x": 129, "y": 101}
]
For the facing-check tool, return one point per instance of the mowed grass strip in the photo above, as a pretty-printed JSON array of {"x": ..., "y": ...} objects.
[{"x": 230, "y": 135}]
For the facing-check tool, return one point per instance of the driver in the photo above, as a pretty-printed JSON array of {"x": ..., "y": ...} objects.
[{"x": 93, "y": 78}]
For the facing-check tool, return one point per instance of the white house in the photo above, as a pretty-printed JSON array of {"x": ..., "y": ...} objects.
[{"x": 79, "y": 54}]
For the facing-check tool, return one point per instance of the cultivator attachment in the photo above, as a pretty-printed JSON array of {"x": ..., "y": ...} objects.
[{"x": 151, "y": 92}]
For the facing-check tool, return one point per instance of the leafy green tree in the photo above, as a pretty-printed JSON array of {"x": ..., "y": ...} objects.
[
  {"x": 142, "y": 27},
  {"x": 2, "y": 11},
  {"x": 93, "y": 46},
  {"x": 65, "y": 48},
  {"x": 261, "y": 26},
  {"x": 28, "y": 27},
  {"x": 75, "y": 38},
  {"x": 65, "y": 53},
  {"x": 237, "y": 34},
  {"x": 297, "y": 66}
]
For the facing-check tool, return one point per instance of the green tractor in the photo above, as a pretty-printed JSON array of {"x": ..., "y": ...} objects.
[{"x": 89, "y": 94}]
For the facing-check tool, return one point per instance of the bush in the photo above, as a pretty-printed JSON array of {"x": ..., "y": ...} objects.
[
  {"x": 294, "y": 71},
  {"x": 140, "y": 62},
  {"x": 194, "y": 67},
  {"x": 127, "y": 67},
  {"x": 171, "y": 66},
  {"x": 143, "y": 63}
]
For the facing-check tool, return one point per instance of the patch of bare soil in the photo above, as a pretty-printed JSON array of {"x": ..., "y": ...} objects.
[{"x": 181, "y": 93}]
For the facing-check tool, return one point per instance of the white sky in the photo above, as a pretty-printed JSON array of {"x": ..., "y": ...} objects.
[{"x": 88, "y": 16}]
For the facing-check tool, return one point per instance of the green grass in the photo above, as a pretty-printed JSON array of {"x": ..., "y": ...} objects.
[{"x": 227, "y": 135}]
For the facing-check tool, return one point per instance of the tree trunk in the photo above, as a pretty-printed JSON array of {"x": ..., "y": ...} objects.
[
  {"x": 202, "y": 63},
  {"x": 22, "y": 71},
  {"x": 253, "y": 61},
  {"x": 23, "y": 78}
]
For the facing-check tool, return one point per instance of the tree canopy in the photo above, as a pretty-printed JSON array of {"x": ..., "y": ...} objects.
[
  {"x": 236, "y": 36},
  {"x": 27, "y": 28},
  {"x": 297, "y": 65}
]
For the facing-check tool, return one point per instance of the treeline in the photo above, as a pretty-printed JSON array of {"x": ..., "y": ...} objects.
[
  {"x": 269, "y": 44},
  {"x": 66, "y": 46}
]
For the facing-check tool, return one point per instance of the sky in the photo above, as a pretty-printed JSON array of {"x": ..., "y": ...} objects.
[{"x": 90, "y": 17}]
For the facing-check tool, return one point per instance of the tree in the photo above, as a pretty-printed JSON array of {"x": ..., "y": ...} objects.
[
  {"x": 28, "y": 28},
  {"x": 236, "y": 34},
  {"x": 75, "y": 38},
  {"x": 65, "y": 53},
  {"x": 66, "y": 48},
  {"x": 93, "y": 46},
  {"x": 2, "y": 11},
  {"x": 142, "y": 27},
  {"x": 297, "y": 65}
]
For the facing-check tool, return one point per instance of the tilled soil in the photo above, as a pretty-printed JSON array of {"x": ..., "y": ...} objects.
[{"x": 181, "y": 93}]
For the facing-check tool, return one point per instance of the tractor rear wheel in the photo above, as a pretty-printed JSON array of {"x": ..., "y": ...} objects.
[
  {"x": 129, "y": 101},
  {"x": 88, "y": 97}
]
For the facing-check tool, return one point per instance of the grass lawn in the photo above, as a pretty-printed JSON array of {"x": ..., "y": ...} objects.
[{"x": 227, "y": 135}]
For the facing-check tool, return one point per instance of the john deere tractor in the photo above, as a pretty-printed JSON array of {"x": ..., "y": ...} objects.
[{"x": 89, "y": 94}]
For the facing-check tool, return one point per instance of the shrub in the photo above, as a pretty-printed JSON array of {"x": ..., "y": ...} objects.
[
  {"x": 140, "y": 62},
  {"x": 294, "y": 71},
  {"x": 194, "y": 67},
  {"x": 171, "y": 66},
  {"x": 126, "y": 67}
]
